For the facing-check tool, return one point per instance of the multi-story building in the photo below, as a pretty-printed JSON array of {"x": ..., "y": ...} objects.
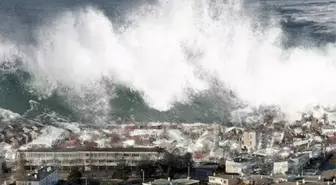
[
  {"x": 94, "y": 159},
  {"x": 42, "y": 176},
  {"x": 250, "y": 141}
]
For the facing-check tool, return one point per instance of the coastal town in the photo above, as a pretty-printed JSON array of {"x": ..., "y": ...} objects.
[{"x": 270, "y": 151}]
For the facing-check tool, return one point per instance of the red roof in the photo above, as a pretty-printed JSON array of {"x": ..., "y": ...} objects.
[
  {"x": 131, "y": 127},
  {"x": 90, "y": 144},
  {"x": 332, "y": 139},
  {"x": 199, "y": 156}
]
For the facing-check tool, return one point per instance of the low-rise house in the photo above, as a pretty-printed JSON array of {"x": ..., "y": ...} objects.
[
  {"x": 34, "y": 134},
  {"x": 7, "y": 141},
  {"x": 217, "y": 153},
  {"x": 299, "y": 143},
  {"x": 314, "y": 152},
  {"x": 146, "y": 133},
  {"x": 223, "y": 180},
  {"x": 164, "y": 135},
  {"x": 326, "y": 130},
  {"x": 9, "y": 133},
  {"x": 4, "y": 145},
  {"x": 20, "y": 140},
  {"x": 26, "y": 129},
  {"x": 27, "y": 137},
  {"x": 198, "y": 157},
  {"x": 43, "y": 176},
  {"x": 9, "y": 127},
  {"x": 201, "y": 172},
  {"x": 131, "y": 127},
  {"x": 14, "y": 141},
  {"x": 73, "y": 136},
  {"x": 2, "y": 135},
  {"x": 66, "y": 133},
  {"x": 90, "y": 144},
  {"x": 278, "y": 178},
  {"x": 35, "y": 128}
]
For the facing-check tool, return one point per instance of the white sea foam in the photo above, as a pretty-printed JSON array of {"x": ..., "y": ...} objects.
[{"x": 170, "y": 47}]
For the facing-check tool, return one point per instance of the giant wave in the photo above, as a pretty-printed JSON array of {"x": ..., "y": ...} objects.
[{"x": 170, "y": 60}]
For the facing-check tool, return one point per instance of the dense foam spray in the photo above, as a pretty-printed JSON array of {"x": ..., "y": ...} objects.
[{"x": 170, "y": 47}]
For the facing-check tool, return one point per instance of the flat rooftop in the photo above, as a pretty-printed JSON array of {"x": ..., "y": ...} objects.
[
  {"x": 225, "y": 176},
  {"x": 157, "y": 150},
  {"x": 185, "y": 181},
  {"x": 174, "y": 182}
]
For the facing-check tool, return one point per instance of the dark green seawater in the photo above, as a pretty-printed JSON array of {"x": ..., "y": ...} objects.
[{"x": 126, "y": 103}]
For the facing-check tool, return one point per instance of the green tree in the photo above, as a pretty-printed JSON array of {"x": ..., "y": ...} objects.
[
  {"x": 187, "y": 160},
  {"x": 175, "y": 164},
  {"x": 75, "y": 176},
  {"x": 149, "y": 167},
  {"x": 121, "y": 171},
  {"x": 169, "y": 164}
]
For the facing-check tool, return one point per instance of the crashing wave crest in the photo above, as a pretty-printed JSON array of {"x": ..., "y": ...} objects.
[{"x": 172, "y": 50}]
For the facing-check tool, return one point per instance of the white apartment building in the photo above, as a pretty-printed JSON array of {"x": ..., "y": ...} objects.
[
  {"x": 43, "y": 176},
  {"x": 250, "y": 141},
  {"x": 280, "y": 167},
  {"x": 89, "y": 158}
]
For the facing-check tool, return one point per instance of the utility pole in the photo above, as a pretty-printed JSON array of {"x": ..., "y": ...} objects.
[
  {"x": 143, "y": 175},
  {"x": 188, "y": 171}
]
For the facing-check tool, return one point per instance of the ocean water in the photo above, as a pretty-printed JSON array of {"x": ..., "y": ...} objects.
[{"x": 99, "y": 61}]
